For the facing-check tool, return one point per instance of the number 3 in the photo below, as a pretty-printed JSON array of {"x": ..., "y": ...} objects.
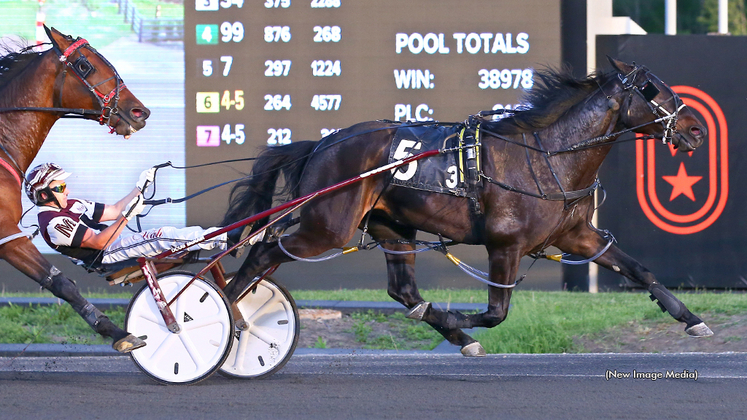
[{"x": 451, "y": 178}]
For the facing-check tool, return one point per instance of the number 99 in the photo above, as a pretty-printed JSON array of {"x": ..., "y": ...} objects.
[{"x": 232, "y": 32}]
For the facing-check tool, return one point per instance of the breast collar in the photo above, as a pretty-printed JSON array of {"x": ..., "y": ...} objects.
[{"x": 13, "y": 171}]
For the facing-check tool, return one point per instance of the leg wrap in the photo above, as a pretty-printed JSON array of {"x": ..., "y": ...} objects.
[
  {"x": 92, "y": 315},
  {"x": 65, "y": 289},
  {"x": 666, "y": 301}
]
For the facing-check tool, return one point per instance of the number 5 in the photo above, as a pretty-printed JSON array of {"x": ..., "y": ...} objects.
[{"x": 403, "y": 152}]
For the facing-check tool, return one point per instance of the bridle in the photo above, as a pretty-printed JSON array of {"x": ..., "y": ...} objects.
[
  {"x": 648, "y": 91},
  {"x": 82, "y": 68}
]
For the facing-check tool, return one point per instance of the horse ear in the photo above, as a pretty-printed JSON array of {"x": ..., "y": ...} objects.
[
  {"x": 620, "y": 66},
  {"x": 49, "y": 33},
  {"x": 54, "y": 35}
]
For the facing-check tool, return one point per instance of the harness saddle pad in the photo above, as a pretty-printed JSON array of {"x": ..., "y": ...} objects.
[{"x": 440, "y": 173}]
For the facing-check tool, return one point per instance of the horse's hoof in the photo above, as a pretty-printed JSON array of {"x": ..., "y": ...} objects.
[
  {"x": 699, "y": 330},
  {"x": 473, "y": 350},
  {"x": 418, "y": 311},
  {"x": 128, "y": 344}
]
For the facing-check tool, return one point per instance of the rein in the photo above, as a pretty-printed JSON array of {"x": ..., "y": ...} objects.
[{"x": 169, "y": 200}]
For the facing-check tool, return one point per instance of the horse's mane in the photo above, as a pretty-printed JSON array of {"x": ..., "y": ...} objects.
[
  {"x": 556, "y": 91},
  {"x": 14, "y": 57}
]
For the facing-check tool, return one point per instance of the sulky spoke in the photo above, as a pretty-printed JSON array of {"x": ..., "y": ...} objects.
[
  {"x": 267, "y": 338},
  {"x": 192, "y": 351},
  {"x": 219, "y": 319},
  {"x": 265, "y": 308}
]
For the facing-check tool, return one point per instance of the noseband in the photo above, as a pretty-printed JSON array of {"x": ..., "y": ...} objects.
[{"x": 648, "y": 92}]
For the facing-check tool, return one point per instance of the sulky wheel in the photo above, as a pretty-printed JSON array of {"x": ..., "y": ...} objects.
[
  {"x": 205, "y": 338},
  {"x": 272, "y": 336}
]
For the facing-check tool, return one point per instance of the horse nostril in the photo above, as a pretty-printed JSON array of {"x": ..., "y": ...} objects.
[
  {"x": 696, "y": 131},
  {"x": 140, "y": 114}
]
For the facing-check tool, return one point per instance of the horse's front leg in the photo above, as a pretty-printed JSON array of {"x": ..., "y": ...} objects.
[
  {"x": 616, "y": 260},
  {"x": 24, "y": 256}
]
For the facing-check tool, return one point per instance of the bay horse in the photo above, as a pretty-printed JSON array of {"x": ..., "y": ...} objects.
[
  {"x": 35, "y": 91},
  {"x": 538, "y": 171}
]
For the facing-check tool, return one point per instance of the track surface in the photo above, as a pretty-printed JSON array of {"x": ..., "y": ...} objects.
[{"x": 389, "y": 385}]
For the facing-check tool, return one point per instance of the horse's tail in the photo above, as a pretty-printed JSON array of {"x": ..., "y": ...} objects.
[{"x": 256, "y": 193}]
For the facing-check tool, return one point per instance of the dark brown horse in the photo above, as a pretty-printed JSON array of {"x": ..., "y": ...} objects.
[
  {"x": 36, "y": 89},
  {"x": 537, "y": 171}
]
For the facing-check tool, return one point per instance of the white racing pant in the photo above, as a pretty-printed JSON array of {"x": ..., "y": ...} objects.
[{"x": 155, "y": 241}]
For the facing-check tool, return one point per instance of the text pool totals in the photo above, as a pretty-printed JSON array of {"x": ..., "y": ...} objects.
[{"x": 270, "y": 72}]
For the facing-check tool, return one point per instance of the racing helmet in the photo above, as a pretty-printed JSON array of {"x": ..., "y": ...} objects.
[{"x": 38, "y": 180}]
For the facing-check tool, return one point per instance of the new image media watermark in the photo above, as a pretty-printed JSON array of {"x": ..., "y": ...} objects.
[{"x": 669, "y": 374}]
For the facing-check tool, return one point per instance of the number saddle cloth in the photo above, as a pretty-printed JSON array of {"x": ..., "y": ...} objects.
[{"x": 455, "y": 172}]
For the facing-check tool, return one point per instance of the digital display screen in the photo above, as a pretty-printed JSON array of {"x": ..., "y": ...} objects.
[
  {"x": 225, "y": 77},
  {"x": 270, "y": 72}
]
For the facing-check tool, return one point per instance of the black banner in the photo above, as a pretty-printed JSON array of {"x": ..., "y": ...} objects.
[{"x": 683, "y": 215}]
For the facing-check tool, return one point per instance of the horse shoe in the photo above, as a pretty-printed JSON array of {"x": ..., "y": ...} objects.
[
  {"x": 418, "y": 311},
  {"x": 473, "y": 350},
  {"x": 128, "y": 344},
  {"x": 699, "y": 330}
]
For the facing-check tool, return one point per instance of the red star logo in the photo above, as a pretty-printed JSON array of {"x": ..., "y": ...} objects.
[{"x": 682, "y": 183}]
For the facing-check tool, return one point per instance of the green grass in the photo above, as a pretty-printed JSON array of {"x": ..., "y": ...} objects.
[
  {"x": 380, "y": 295},
  {"x": 538, "y": 322},
  {"x": 49, "y": 324},
  {"x": 321, "y": 343},
  {"x": 410, "y": 334},
  {"x": 86, "y": 294},
  {"x": 546, "y": 322}
]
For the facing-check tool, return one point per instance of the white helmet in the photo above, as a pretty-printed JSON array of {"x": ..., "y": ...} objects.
[{"x": 38, "y": 180}]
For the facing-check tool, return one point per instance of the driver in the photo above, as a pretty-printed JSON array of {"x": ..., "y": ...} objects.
[{"x": 73, "y": 227}]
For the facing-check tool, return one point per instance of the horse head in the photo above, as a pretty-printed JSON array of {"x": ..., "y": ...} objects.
[
  {"x": 98, "y": 86},
  {"x": 654, "y": 109}
]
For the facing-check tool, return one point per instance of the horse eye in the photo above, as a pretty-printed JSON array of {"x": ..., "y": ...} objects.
[{"x": 84, "y": 67}]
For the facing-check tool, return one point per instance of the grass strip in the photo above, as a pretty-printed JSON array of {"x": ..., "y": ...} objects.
[{"x": 538, "y": 322}]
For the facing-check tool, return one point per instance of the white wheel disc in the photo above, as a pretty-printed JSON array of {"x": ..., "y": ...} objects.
[
  {"x": 272, "y": 335},
  {"x": 199, "y": 348}
]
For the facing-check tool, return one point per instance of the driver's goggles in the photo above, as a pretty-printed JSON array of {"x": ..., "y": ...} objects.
[{"x": 59, "y": 188}]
